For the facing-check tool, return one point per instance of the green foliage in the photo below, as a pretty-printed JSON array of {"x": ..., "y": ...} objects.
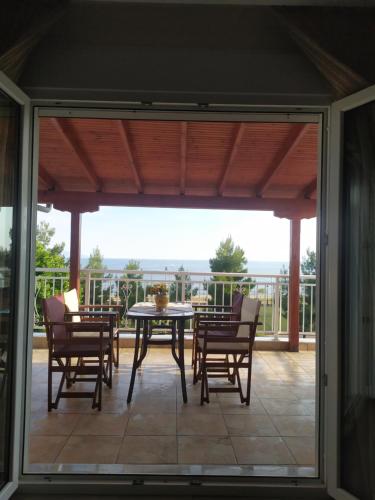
[
  {"x": 308, "y": 267},
  {"x": 175, "y": 290},
  {"x": 307, "y": 296},
  {"x": 49, "y": 256},
  {"x": 229, "y": 258},
  {"x": 45, "y": 254},
  {"x": 98, "y": 293},
  {"x": 132, "y": 290}
]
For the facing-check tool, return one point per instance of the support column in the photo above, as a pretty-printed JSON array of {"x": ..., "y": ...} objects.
[
  {"x": 294, "y": 278},
  {"x": 75, "y": 250}
]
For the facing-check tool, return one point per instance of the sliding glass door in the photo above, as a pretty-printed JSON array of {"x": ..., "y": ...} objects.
[
  {"x": 352, "y": 456},
  {"x": 14, "y": 130}
]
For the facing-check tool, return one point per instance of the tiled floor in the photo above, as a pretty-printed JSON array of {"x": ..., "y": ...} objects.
[{"x": 277, "y": 429}]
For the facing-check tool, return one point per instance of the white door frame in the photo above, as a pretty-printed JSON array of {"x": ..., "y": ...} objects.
[
  {"x": 180, "y": 111},
  {"x": 23, "y": 237},
  {"x": 332, "y": 286}
]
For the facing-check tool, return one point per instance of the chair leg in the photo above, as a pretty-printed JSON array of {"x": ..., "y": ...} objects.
[
  {"x": 195, "y": 365},
  {"x": 117, "y": 350},
  {"x": 49, "y": 390}
]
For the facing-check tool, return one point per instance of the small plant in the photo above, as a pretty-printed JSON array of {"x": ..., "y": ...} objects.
[{"x": 159, "y": 289}]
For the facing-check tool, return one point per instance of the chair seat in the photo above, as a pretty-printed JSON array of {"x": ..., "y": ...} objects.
[
  {"x": 225, "y": 347},
  {"x": 86, "y": 349}
]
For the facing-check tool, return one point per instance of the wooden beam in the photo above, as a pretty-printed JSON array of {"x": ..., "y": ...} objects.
[
  {"x": 282, "y": 156},
  {"x": 72, "y": 198},
  {"x": 68, "y": 135},
  {"x": 342, "y": 78},
  {"x": 183, "y": 152},
  {"x": 124, "y": 133},
  {"x": 309, "y": 190},
  {"x": 75, "y": 251},
  {"x": 48, "y": 180},
  {"x": 294, "y": 276},
  {"x": 240, "y": 128}
]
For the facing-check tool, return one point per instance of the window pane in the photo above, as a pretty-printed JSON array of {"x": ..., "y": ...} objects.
[
  {"x": 8, "y": 177},
  {"x": 358, "y": 296}
]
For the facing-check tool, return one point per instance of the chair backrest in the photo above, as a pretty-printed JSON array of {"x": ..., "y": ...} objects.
[
  {"x": 72, "y": 303},
  {"x": 54, "y": 311},
  {"x": 249, "y": 312},
  {"x": 237, "y": 299}
]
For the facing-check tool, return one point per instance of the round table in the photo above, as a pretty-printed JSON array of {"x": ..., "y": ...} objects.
[{"x": 143, "y": 313}]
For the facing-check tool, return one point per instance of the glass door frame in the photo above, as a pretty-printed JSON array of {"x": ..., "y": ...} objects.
[
  {"x": 125, "y": 484},
  {"x": 333, "y": 346},
  {"x": 22, "y": 269}
]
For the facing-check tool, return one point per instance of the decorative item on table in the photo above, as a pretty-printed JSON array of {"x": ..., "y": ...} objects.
[{"x": 160, "y": 293}]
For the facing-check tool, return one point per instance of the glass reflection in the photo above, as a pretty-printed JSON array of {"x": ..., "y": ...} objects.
[{"x": 8, "y": 179}]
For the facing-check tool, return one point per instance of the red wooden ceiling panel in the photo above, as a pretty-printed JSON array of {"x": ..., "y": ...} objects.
[{"x": 152, "y": 156}]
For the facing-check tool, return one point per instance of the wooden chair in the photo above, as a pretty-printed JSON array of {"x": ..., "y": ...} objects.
[
  {"x": 68, "y": 353},
  {"x": 232, "y": 313},
  {"x": 83, "y": 313},
  {"x": 232, "y": 339}
]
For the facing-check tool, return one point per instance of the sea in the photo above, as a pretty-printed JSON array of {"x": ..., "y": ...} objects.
[{"x": 254, "y": 267}]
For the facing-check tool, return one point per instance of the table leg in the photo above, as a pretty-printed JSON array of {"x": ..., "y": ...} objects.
[
  {"x": 181, "y": 358},
  {"x": 135, "y": 360}
]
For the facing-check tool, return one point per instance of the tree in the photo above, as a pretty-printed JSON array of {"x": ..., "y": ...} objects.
[
  {"x": 48, "y": 256},
  {"x": 175, "y": 290},
  {"x": 133, "y": 290},
  {"x": 307, "y": 302},
  {"x": 229, "y": 258},
  {"x": 307, "y": 296},
  {"x": 99, "y": 293}
]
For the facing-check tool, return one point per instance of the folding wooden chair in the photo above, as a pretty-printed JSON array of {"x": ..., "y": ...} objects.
[
  {"x": 83, "y": 314},
  {"x": 207, "y": 312},
  {"x": 68, "y": 353},
  {"x": 232, "y": 339}
]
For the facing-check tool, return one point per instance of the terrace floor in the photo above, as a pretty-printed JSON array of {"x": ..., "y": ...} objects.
[{"x": 158, "y": 433}]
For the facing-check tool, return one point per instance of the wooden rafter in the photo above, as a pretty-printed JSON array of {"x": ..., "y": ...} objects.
[
  {"x": 124, "y": 133},
  {"x": 294, "y": 138},
  {"x": 183, "y": 151},
  {"x": 233, "y": 151},
  {"x": 309, "y": 190},
  {"x": 69, "y": 137},
  {"x": 343, "y": 79},
  {"x": 64, "y": 200},
  {"x": 48, "y": 180}
]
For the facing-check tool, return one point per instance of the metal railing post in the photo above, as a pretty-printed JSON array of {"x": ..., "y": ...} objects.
[
  {"x": 276, "y": 310},
  {"x": 86, "y": 298},
  {"x": 183, "y": 291}
]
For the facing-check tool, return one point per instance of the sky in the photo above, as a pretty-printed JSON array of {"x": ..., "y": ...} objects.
[{"x": 164, "y": 233}]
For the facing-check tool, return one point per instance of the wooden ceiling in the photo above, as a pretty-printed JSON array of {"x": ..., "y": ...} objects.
[{"x": 85, "y": 163}]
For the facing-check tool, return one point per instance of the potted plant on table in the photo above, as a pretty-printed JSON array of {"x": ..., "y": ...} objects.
[{"x": 160, "y": 293}]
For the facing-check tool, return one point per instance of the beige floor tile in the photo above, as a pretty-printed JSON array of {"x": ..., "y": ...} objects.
[
  {"x": 154, "y": 390},
  {"x": 151, "y": 405},
  {"x": 89, "y": 450},
  {"x": 234, "y": 406},
  {"x": 280, "y": 392},
  {"x": 302, "y": 448},
  {"x": 194, "y": 406},
  {"x": 45, "y": 449},
  {"x": 101, "y": 424},
  {"x": 204, "y": 425},
  {"x": 285, "y": 407},
  {"x": 205, "y": 450},
  {"x": 53, "y": 424},
  {"x": 151, "y": 424},
  {"x": 294, "y": 426},
  {"x": 250, "y": 425},
  {"x": 262, "y": 451},
  {"x": 148, "y": 450}
]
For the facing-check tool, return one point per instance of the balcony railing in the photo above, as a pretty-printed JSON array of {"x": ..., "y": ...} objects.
[{"x": 112, "y": 286}]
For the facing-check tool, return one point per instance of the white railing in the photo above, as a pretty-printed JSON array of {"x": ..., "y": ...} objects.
[{"x": 111, "y": 286}]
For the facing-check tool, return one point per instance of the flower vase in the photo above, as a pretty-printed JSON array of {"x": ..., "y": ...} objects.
[{"x": 161, "y": 302}]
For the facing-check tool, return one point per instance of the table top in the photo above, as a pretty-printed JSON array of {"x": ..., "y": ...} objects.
[{"x": 174, "y": 310}]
